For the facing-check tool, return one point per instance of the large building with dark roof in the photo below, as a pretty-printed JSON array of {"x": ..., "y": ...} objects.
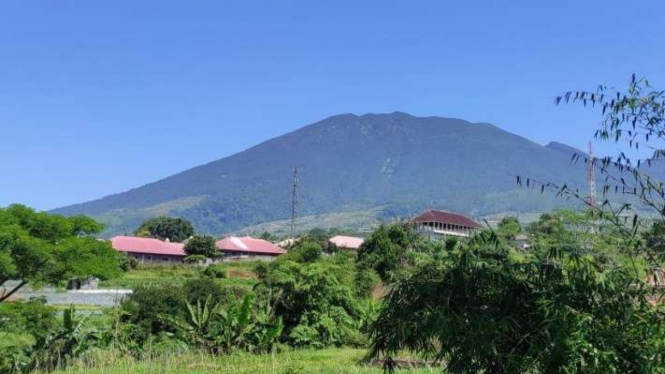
[{"x": 439, "y": 224}]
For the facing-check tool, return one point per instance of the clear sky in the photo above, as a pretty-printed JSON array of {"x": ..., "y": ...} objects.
[{"x": 100, "y": 97}]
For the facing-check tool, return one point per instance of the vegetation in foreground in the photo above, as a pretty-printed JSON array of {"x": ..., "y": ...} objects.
[
  {"x": 303, "y": 361},
  {"x": 231, "y": 274}
]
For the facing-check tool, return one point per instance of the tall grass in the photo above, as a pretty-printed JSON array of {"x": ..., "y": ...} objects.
[
  {"x": 327, "y": 361},
  {"x": 239, "y": 273}
]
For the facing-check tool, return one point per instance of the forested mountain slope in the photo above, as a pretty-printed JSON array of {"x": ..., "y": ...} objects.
[{"x": 350, "y": 163}]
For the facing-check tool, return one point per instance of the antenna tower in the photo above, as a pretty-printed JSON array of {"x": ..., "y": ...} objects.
[
  {"x": 591, "y": 177},
  {"x": 294, "y": 202}
]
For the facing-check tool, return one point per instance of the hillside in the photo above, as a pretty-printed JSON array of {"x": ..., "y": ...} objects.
[{"x": 352, "y": 163}]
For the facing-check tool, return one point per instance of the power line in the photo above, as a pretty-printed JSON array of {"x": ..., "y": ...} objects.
[
  {"x": 591, "y": 177},
  {"x": 294, "y": 202}
]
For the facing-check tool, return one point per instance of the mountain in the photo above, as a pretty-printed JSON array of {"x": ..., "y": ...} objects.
[{"x": 395, "y": 162}]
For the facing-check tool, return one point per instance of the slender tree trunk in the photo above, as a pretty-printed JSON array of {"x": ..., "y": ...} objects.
[{"x": 7, "y": 295}]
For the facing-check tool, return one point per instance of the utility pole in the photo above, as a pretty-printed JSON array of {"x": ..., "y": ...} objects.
[
  {"x": 294, "y": 202},
  {"x": 591, "y": 177}
]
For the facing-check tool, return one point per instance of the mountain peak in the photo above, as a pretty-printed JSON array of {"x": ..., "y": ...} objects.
[
  {"x": 349, "y": 162},
  {"x": 395, "y": 114}
]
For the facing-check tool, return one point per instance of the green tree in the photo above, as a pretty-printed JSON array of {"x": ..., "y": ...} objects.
[
  {"x": 21, "y": 325},
  {"x": 41, "y": 248},
  {"x": 82, "y": 225},
  {"x": 142, "y": 310},
  {"x": 481, "y": 310},
  {"x": 267, "y": 236},
  {"x": 654, "y": 240},
  {"x": 509, "y": 228},
  {"x": 163, "y": 228},
  {"x": 306, "y": 251},
  {"x": 202, "y": 245},
  {"x": 386, "y": 249},
  {"x": 316, "y": 299}
]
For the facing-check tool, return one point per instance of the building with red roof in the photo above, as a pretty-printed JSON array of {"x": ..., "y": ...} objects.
[
  {"x": 346, "y": 242},
  {"x": 246, "y": 247},
  {"x": 439, "y": 224},
  {"x": 149, "y": 249}
]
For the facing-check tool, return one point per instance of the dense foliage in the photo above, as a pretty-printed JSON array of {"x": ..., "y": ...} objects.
[
  {"x": 41, "y": 248},
  {"x": 303, "y": 299},
  {"x": 166, "y": 228},
  {"x": 216, "y": 327},
  {"x": 509, "y": 228},
  {"x": 315, "y": 296},
  {"x": 561, "y": 309},
  {"x": 34, "y": 338},
  {"x": 386, "y": 249},
  {"x": 201, "y": 245}
]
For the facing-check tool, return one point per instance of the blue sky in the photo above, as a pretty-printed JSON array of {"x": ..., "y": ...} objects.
[{"x": 100, "y": 97}]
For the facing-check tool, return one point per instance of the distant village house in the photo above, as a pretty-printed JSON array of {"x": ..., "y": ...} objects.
[
  {"x": 248, "y": 248},
  {"x": 438, "y": 224},
  {"x": 149, "y": 250},
  {"x": 521, "y": 241},
  {"x": 346, "y": 242}
]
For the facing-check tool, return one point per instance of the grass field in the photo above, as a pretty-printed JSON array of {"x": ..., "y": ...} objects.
[
  {"x": 239, "y": 273},
  {"x": 327, "y": 361}
]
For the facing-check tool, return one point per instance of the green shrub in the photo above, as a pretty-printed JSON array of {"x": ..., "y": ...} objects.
[
  {"x": 195, "y": 259},
  {"x": 142, "y": 309},
  {"x": 315, "y": 299},
  {"x": 215, "y": 271},
  {"x": 365, "y": 281},
  {"x": 22, "y": 324},
  {"x": 200, "y": 289},
  {"x": 128, "y": 262},
  {"x": 32, "y": 317},
  {"x": 386, "y": 250},
  {"x": 306, "y": 251},
  {"x": 261, "y": 269}
]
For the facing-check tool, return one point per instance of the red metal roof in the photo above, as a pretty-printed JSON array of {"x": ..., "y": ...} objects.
[
  {"x": 132, "y": 244},
  {"x": 248, "y": 244},
  {"x": 349, "y": 242},
  {"x": 446, "y": 217}
]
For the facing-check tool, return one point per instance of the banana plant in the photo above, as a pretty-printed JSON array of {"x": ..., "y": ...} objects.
[
  {"x": 196, "y": 325},
  {"x": 57, "y": 348},
  {"x": 241, "y": 325},
  {"x": 247, "y": 326}
]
